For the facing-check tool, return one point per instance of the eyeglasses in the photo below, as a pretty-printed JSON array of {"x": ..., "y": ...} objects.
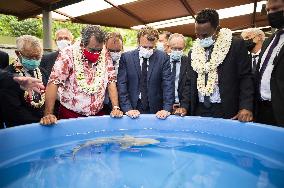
[
  {"x": 98, "y": 50},
  {"x": 34, "y": 57},
  {"x": 148, "y": 47},
  {"x": 115, "y": 51}
]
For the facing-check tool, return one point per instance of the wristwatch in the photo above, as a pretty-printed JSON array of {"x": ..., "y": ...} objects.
[{"x": 115, "y": 108}]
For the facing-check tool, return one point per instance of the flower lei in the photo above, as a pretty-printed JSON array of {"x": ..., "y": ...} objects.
[
  {"x": 98, "y": 80},
  {"x": 199, "y": 64},
  {"x": 20, "y": 70}
]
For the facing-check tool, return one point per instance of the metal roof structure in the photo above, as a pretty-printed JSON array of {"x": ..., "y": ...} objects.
[{"x": 176, "y": 16}]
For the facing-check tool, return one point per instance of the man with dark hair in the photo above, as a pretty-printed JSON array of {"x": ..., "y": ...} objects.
[
  {"x": 144, "y": 78},
  {"x": 162, "y": 43},
  {"x": 219, "y": 81},
  {"x": 270, "y": 70},
  {"x": 83, "y": 71},
  {"x": 114, "y": 45}
]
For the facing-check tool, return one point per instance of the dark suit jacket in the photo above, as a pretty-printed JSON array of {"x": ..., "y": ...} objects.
[
  {"x": 160, "y": 95},
  {"x": 276, "y": 82},
  {"x": 4, "y": 60},
  {"x": 235, "y": 82},
  {"x": 48, "y": 61},
  {"x": 14, "y": 109},
  {"x": 182, "y": 75}
]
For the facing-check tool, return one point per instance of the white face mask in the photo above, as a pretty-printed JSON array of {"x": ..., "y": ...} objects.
[
  {"x": 206, "y": 42},
  {"x": 115, "y": 56},
  {"x": 145, "y": 53},
  {"x": 61, "y": 44},
  {"x": 160, "y": 46},
  {"x": 175, "y": 55}
]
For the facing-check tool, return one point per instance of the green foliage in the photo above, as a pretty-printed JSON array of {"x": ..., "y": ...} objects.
[{"x": 11, "y": 26}]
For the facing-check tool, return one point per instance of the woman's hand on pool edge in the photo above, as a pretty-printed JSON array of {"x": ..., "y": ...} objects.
[
  {"x": 49, "y": 119},
  {"x": 162, "y": 114}
]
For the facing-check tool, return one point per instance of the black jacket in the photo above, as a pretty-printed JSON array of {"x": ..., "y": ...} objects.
[
  {"x": 13, "y": 107},
  {"x": 48, "y": 61},
  {"x": 4, "y": 60},
  {"x": 235, "y": 82},
  {"x": 276, "y": 82}
]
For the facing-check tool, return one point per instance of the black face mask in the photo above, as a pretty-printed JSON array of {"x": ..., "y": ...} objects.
[
  {"x": 276, "y": 19},
  {"x": 250, "y": 44}
]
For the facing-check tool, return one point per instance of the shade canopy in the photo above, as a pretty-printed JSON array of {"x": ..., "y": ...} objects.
[{"x": 176, "y": 16}]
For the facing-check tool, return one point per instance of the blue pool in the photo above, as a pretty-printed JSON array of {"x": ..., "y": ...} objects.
[{"x": 144, "y": 152}]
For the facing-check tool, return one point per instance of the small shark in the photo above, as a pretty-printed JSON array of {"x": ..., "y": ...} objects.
[{"x": 125, "y": 142}]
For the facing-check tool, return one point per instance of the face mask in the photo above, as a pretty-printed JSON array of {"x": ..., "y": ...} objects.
[
  {"x": 160, "y": 46},
  {"x": 276, "y": 19},
  {"x": 93, "y": 57},
  {"x": 145, "y": 53},
  {"x": 115, "y": 56},
  {"x": 61, "y": 44},
  {"x": 205, "y": 43},
  {"x": 175, "y": 55},
  {"x": 250, "y": 44},
  {"x": 30, "y": 64}
]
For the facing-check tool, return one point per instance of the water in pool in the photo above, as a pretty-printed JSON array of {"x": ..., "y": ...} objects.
[{"x": 169, "y": 161}]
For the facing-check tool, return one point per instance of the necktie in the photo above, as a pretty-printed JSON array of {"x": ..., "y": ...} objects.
[
  {"x": 273, "y": 45},
  {"x": 206, "y": 102},
  {"x": 174, "y": 70},
  {"x": 114, "y": 63},
  {"x": 254, "y": 63},
  {"x": 143, "y": 86}
]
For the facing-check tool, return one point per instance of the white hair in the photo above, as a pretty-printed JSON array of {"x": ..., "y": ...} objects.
[
  {"x": 24, "y": 40},
  {"x": 65, "y": 30},
  {"x": 255, "y": 31},
  {"x": 176, "y": 35}
]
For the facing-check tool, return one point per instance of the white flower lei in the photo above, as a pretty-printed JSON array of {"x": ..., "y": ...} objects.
[
  {"x": 80, "y": 75},
  {"x": 20, "y": 70},
  {"x": 199, "y": 65}
]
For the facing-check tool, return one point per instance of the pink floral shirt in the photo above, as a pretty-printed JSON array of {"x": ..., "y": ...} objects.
[{"x": 71, "y": 96}]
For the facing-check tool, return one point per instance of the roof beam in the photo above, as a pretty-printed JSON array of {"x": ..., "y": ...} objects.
[
  {"x": 254, "y": 14},
  {"x": 127, "y": 12},
  {"x": 47, "y": 7},
  {"x": 188, "y": 8}
]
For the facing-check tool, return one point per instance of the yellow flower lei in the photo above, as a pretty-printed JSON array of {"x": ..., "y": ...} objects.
[
  {"x": 19, "y": 69},
  {"x": 199, "y": 64},
  {"x": 80, "y": 75}
]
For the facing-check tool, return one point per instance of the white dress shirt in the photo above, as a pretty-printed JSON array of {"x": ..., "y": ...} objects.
[
  {"x": 215, "y": 96},
  {"x": 265, "y": 91},
  {"x": 178, "y": 64}
]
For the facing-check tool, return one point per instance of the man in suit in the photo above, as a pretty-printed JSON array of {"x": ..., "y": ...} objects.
[
  {"x": 270, "y": 70},
  {"x": 179, "y": 64},
  {"x": 63, "y": 39},
  {"x": 163, "y": 43},
  {"x": 254, "y": 38},
  {"x": 219, "y": 83},
  {"x": 144, "y": 78},
  {"x": 114, "y": 45},
  {"x": 19, "y": 107},
  {"x": 4, "y": 60}
]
